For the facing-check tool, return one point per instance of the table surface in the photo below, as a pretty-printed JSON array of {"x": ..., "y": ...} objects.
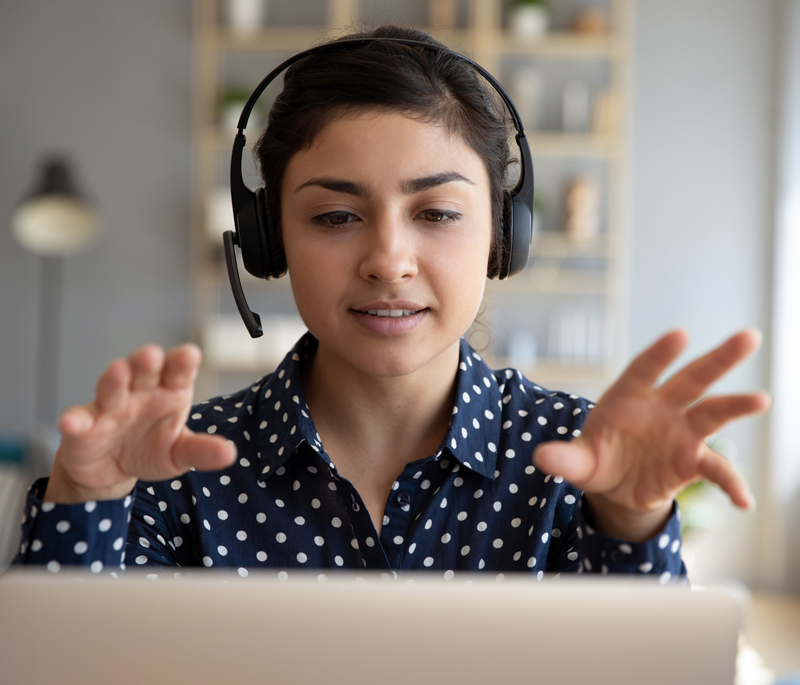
[{"x": 773, "y": 631}]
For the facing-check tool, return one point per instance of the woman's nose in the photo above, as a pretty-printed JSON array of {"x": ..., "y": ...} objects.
[{"x": 389, "y": 252}]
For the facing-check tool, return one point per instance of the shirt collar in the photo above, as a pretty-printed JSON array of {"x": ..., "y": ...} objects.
[
  {"x": 285, "y": 422},
  {"x": 472, "y": 436},
  {"x": 474, "y": 432}
]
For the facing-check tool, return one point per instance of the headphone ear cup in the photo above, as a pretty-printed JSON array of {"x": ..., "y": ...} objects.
[
  {"x": 247, "y": 231},
  {"x": 273, "y": 256},
  {"x": 518, "y": 232}
]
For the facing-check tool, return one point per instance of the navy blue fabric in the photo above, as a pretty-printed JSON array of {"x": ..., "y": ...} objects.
[{"x": 478, "y": 504}]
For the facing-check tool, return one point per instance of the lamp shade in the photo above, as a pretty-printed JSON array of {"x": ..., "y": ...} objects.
[{"x": 55, "y": 220}]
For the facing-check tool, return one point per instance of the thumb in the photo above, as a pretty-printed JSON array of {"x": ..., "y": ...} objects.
[
  {"x": 571, "y": 460},
  {"x": 203, "y": 452}
]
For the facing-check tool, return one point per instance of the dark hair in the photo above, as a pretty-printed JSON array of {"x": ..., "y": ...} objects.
[{"x": 431, "y": 85}]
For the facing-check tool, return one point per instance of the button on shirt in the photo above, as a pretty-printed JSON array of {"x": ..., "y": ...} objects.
[{"x": 477, "y": 504}]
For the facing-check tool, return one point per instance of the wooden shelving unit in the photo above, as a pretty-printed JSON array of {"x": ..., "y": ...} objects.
[{"x": 559, "y": 273}]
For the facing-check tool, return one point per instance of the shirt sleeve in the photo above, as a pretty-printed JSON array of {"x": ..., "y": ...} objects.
[
  {"x": 95, "y": 534},
  {"x": 587, "y": 551}
]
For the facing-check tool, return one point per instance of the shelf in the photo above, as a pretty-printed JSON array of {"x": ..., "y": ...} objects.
[
  {"x": 558, "y": 246},
  {"x": 212, "y": 275},
  {"x": 550, "y": 281},
  {"x": 288, "y": 39},
  {"x": 296, "y": 38},
  {"x": 545, "y": 373},
  {"x": 564, "y": 275},
  {"x": 562, "y": 45},
  {"x": 540, "y": 279},
  {"x": 561, "y": 145},
  {"x": 552, "y": 373},
  {"x": 570, "y": 145}
]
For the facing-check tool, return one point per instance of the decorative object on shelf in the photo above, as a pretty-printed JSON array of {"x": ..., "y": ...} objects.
[
  {"x": 219, "y": 217},
  {"x": 539, "y": 211},
  {"x": 575, "y": 335},
  {"x": 591, "y": 22},
  {"x": 443, "y": 14},
  {"x": 227, "y": 345},
  {"x": 606, "y": 115},
  {"x": 246, "y": 17},
  {"x": 582, "y": 209},
  {"x": 576, "y": 107},
  {"x": 529, "y": 18},
  {"x": 527, "y": 88},
  {"x": 54, "y": 221},
  {"x": 231, "y": 102}
]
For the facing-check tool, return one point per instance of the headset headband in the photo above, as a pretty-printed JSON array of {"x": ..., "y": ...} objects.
[{"x": 239, "y": 191}]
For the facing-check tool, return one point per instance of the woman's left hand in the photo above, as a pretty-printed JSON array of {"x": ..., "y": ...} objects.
[{"x": 642, "y": 444}]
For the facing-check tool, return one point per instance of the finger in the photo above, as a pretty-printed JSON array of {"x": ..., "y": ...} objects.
[
  {"x": 146, "y": 364},
  {"x": 571, "y": 460},
  {"x": 645, "y": 369},
  {"x": 694, "y": 379},
  {"x": 719, "y": 470},
  {"x": 180, "y": 367},
  {"x": 711, "y": 414},
  {"x": 203, "y": 452},
  {"x": 75, "y": 422},
  {"x": 112, "y": 386}
]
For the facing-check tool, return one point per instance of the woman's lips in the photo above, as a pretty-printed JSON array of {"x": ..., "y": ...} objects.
[{"x": 389, "y": 325}]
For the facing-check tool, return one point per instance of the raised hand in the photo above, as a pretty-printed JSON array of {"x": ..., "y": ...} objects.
[
  {"x": 135, "y": 428},
  {"x": 642, "y": 444}
]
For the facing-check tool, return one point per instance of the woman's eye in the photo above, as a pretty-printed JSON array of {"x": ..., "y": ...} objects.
[
  {"x": 438, "y": 216},
  {"x": 334, "y": 218}
]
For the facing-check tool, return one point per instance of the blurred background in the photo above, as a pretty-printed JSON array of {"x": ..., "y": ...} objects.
[{"x": 666, "y": 142}]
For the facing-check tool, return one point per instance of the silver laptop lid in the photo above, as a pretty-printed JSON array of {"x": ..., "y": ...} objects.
[{"x": 212, "y": 628}]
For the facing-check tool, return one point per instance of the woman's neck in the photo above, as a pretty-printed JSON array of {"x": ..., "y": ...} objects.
[{"x": 372, "y": 427}]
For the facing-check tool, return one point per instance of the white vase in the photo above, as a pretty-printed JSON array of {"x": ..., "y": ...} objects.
[
  {"x": 529, "y": 21},
  {"x": 246, "y": 16}
]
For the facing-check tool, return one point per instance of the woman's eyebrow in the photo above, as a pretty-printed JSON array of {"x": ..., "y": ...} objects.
[
  {"x": 337, "y": 186},
  {"x": 417, "y": 185},
  {"x": 411, "y": 186}
]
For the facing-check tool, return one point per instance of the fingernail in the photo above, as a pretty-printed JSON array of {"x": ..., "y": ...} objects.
[{"x": 758, "y": 335}]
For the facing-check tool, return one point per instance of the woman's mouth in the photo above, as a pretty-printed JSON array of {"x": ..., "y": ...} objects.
[
  {"x": 393, "y": 313},
  {"x": 389, "y": 322}
]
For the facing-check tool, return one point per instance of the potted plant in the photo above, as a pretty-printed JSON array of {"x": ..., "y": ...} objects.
[
  {"x": 230, "y": 103},
  {"x": 529, "y": 18}
]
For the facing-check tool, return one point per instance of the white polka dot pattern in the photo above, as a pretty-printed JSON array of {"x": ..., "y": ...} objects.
[{"x": 476, "y": 504}]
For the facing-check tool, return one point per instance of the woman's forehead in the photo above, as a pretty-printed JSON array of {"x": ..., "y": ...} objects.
[{"x": 388, "y": 143}]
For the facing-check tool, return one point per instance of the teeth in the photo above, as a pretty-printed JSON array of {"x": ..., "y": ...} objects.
[{"x": 393, "y": 313}]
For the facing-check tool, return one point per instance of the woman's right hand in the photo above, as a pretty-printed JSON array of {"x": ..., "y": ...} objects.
[{"x": 135, "y": 428}]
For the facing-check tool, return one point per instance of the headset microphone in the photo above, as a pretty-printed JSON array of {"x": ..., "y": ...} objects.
[{"x": 256, "y": 233}]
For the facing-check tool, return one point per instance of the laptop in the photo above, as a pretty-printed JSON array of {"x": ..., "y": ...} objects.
[{"x": 274, "y": 627}]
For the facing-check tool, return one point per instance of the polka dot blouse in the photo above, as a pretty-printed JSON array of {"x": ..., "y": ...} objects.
[{"x": 477, "y": 504}]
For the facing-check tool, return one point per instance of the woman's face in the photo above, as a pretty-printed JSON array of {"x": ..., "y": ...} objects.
[{"x": 387, "y": 227}]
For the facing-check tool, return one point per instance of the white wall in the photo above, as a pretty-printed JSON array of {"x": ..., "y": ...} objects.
[
  {"x": 108, "y": 83},
  {"x": 781, "y": 523},
  {"x": 701, "y": 224}
]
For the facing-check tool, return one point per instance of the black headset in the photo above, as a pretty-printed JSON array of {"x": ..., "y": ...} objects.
[{"x": 256, "y": 233}]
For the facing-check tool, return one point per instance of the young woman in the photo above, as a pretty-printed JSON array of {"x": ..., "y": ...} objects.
[{"x": 382, "y": 441}]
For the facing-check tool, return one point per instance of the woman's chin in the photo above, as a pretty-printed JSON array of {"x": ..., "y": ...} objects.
[{"x": 395, "y": 357}]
